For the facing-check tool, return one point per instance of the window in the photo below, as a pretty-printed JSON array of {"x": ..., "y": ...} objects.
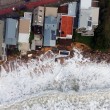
[
  {"x": 53, "y": 36},
  {"x": 89, "y": 23}
]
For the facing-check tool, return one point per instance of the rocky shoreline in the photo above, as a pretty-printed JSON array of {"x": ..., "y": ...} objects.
[
  {"x": 93, "y": 56},
  {"x": 97, "y": 56}
]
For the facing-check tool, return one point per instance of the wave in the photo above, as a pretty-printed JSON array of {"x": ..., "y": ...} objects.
[{"x": 76, "y": 74}]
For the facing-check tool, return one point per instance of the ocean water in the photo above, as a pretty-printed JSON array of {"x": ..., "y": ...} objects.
[{"x": 43, "y": 84}]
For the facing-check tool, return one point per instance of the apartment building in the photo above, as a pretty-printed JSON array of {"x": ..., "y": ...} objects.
[{"x": 38, "y": 16}]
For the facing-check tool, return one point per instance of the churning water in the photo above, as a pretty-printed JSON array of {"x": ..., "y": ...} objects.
[{"x": 43, "y": 84}]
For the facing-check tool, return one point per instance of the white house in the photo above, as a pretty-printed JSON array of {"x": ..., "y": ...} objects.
[{"x": 88, "y": 17}]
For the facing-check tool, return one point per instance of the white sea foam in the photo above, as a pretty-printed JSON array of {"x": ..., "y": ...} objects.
[{"x": 76, "y": 74}]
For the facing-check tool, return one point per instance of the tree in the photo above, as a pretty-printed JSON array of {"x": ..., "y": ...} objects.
[{"x": 101, "y": 39}]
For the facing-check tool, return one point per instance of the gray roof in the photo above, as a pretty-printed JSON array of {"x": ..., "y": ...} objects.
[{"x": 11, "y": 31}]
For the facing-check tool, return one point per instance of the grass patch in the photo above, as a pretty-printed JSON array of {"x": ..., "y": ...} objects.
[{"x": 83, "y": 39}]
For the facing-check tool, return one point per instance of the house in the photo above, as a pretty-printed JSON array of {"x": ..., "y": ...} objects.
[
  {"x": 66, "y": 29},
  {"x": 11, "y": 34},
  {"x": 70, "y": 9},
  {"x": 88, "y": 17},
  {"x": 24, "y": 34},
  {"x": 38, "y": 16},
  {"x": 51, "y": 11},
  {"x": 37, "y": 28},
  {"x": 2, "y": 44},
  {"x": 50, "y": 31}
]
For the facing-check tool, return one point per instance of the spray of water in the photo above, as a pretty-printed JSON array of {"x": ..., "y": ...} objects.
[{"x": 78, "y": 75}]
